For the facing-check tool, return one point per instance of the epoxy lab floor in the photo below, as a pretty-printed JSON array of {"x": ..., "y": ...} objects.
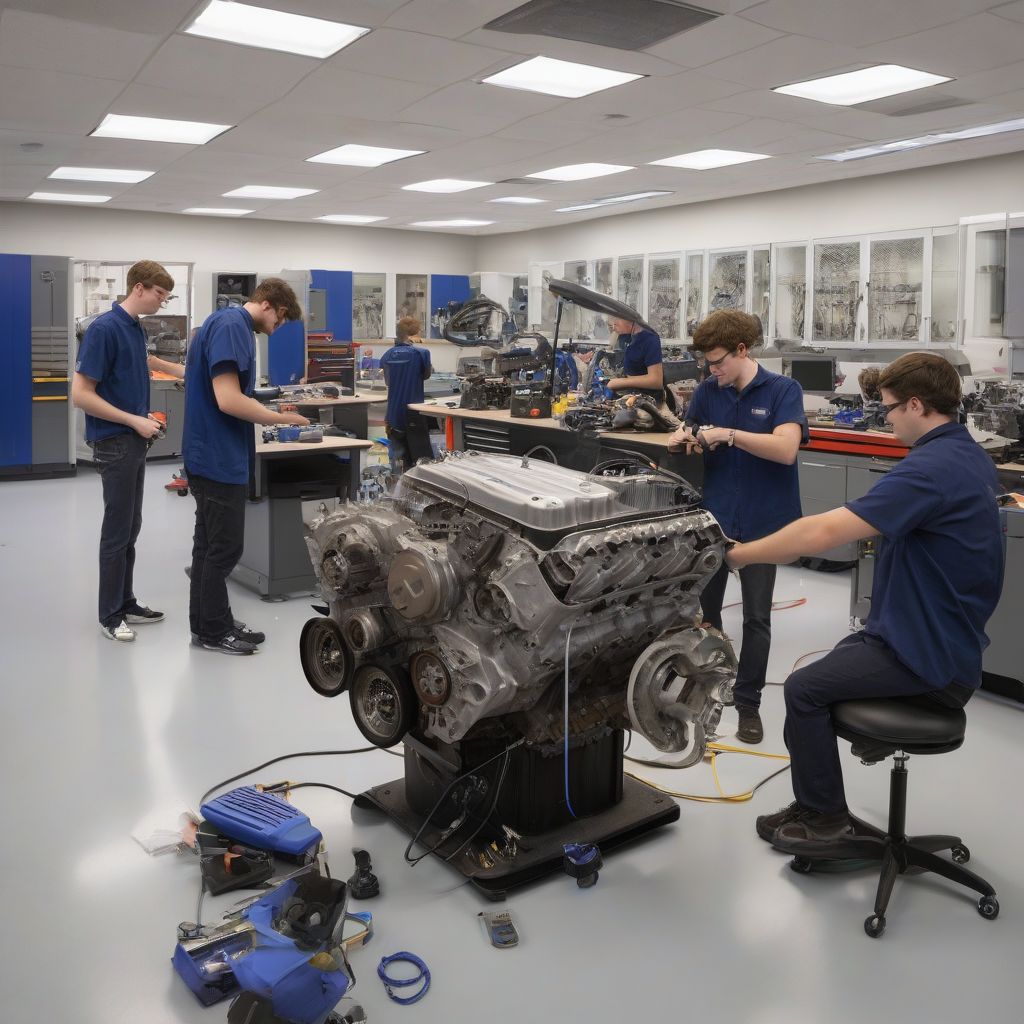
[{"x": 699, "y": 921}]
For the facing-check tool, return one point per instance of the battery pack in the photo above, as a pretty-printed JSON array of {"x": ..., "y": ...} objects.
[{"x": 264, "y": 821}]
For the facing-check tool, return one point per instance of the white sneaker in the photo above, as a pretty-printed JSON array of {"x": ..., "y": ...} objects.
[{"x": 119, "y": 632}]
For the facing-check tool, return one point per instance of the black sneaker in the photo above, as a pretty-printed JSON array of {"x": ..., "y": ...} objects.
[
  {"x": 766, "y": 824},
  {"x": 138, "y": 615},
  {"x": 252, "y": 636},
  {"x": 749, "y": 729},
  {"x": 812, "y": 828},
  {"x": 229, "y": 644}
]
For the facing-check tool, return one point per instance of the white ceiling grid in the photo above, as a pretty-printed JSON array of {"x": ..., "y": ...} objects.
[{"x": 414, "y": 82}]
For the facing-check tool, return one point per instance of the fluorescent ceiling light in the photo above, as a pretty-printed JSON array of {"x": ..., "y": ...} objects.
[
  {"x": 273, "y": 30},
  {"x": 362, "y": 156},
  {"x": 705, "y": 159},
  {"x": 921, "y": 141},
  {"x": 559, "y": 77},
  {"x": 350, "y": 218},
  {"x": 67, "y": 197},
  {"x": 444, "y": 185},
  {"x": 862, "y": 86},
  {"x": 611, "y": 201},
  {"x": 158, "y": 129},
  {"x": 268, "y": 192},
  {"x": 518, "y": 200},
  {"x": 101, "y": 174},
  {"x": 216, "y": 211},
  {"x": 577, "y": 172},
  {"x": 451, "y": 223}
]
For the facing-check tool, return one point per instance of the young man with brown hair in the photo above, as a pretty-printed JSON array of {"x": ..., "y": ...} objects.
[
  {"x": 749, "y": 423},
  {"x": 111, "y": 386},
  {"x": 219, "y": 451},
  {"x": 405, "y": 367},
  {"x": 937, "y": 580}
]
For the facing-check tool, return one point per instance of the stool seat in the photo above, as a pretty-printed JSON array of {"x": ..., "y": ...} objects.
[{"x": 916, "y": 725}]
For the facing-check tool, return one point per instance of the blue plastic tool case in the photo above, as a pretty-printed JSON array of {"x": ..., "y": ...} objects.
[{"x": 262, "y": 820}]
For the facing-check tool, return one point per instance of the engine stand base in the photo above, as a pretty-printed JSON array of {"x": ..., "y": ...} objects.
[{"x": 641, "y": 810}]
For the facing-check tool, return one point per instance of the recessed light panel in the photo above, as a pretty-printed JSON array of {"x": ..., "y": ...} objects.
[
  {"x": 67, "y": 197},
  {"x": 518, "y": 200},
  {"x": 559, "y": 77},
  {"x": 158, "y": 129},
  {"x": 862, "y": 86},
  {"x": 445, "y": 185},
  {"x": 705, "y": 159},
  {"x": 935, "y": 139},
  {"x": 611, "y": 201},
  {"x": 350, "y": 218},
  {"x": 216, "y": 211},
  {"x": 363, "y": 156},
  {"x": 273, "y": 30},
  {"x": 578, "y": 172},
  {"x": 101, "y": 174},
  {"x": 269, "y": 192},
  {"x": 451, "y": 223}
]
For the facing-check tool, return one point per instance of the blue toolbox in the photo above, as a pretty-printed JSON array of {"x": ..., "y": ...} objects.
[{"x": 264, "y": 821}]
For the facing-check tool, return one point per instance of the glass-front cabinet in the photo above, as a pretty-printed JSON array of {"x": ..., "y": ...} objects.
[
  {"x": 836, "y": 291},
  {"x": 789, "y": 275},
  {"x": 895, "y": 288},
  {"x": 368, "y": 292},
  {"x": 694, "y": 292},
  {"x": 761, "y": 285},
  {"x": 663, "y": 296},
  {"x": 411, "y": 298},
  {"x": 727, "y": 279},
  {"x": 942, "y": 316},
  {"x": 630, "y": 282}
]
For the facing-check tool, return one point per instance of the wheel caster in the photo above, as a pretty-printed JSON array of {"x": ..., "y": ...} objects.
[
  {"x": 587, "y": 880},
  {"x": 988, "y": 907},
  {"x": 801, "y": 865},
  {"x": 961, "y": 855},
  {"x": 874, "y": 925}
]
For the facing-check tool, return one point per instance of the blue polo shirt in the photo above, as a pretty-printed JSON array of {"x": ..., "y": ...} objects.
[
  {"x": 215, "y": 445},
  {"x": 404, "y": 366},
  {"x": 113, "y": 354},
  {"x": 642, "y": 351},
  {"x": 939, "y": 568},
  {"x": 749, "y": 496}
]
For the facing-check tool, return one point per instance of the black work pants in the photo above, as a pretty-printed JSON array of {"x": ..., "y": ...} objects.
[
  {"x": 757, "y": 586},
  {"x": 860, "y": 665},
  {"x": 216, "y": 548},
  {"x": 121, "y": 463}
]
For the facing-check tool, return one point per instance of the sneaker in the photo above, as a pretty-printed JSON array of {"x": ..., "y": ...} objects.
[
  {"x": 766, "y": 824},
  {"x": 138, "y": 614},
  {"x": 119, "y": 631},
  {"x": 229, "y": 644},
  {"x": 812, "y": 827},
  {"x": 749, "y": 729},
  {"x": 252, "y": 636}
]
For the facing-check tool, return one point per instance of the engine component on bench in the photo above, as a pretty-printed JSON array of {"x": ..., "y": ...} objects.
[
  {"x": 630, "y": 412},
  {"x": 457, "y": 602}
]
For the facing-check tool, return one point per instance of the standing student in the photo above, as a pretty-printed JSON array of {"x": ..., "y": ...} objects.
[
  {"x": 406, "y": 366},
  {"x": 111, "y": 386},
  {"x": 219, "y": 451},
  {"x": 749, "y": 423},
  {"x": 642, "y": 369}
]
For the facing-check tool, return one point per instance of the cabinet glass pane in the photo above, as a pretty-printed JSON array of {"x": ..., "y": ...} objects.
[
  {"x": 894, "y": 289},
  {"x": 944, "y": 287},
  {"x": 577, "y": 322},
  {"x": 790, "y": 292},
  {"x": 411, "y": 297},
  {"x": 604, "y": 282},
  {"x": 694, "y": 290},
  {"x": 989, "y": 283},
  {"x": 663, "y": 298},
  {"x": 368, "y": 306},
  {"x": 836, "y": 290},
  {"x": 631, "y": 281},
  {"x": 727, "y": 285},
  {"x": 760, "y": 286}
]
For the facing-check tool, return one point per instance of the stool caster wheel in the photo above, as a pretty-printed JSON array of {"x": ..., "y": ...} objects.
[
  {"x": 961, "y": 855},
  {"x": 874, "y": 925},
  {"x": 988, "y": 907},
  {"x": 587, "y": 880},
  {"x": 801, "y": 865}
]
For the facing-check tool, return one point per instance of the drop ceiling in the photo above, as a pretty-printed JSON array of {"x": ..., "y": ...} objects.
[{"x": 413, "y": 82}]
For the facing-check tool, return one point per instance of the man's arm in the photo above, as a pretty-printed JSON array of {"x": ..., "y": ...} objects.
[
  {"x": 232, "y": 402},
  {"x": 163, "y": 366},
  {"x": 781, "y": 445},
  {"x": 652, "y": 380},
  {"x": 84, "y": 396},
  {"x": 805, "y": 537}
]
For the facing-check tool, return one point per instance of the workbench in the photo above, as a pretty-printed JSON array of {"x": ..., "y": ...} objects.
[{"x": 349, "y": 412}]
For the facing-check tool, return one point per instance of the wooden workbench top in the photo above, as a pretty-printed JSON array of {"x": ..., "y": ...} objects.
[
  {"x": 323, "y": 403},
  {"x": 328, "y": 444}
]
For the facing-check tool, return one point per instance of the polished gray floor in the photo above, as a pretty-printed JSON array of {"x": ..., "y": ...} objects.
[{"x": 701, "y": 921}]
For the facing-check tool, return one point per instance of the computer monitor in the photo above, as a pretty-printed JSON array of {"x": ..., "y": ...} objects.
[{"x": 814, "y": 375}]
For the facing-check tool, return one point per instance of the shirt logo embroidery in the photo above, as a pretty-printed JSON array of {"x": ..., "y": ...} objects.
[{"x": 758, "y": 412}]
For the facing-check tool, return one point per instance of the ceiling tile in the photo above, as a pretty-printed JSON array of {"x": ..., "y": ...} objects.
[
  {"x": 372, "y": 97},
  {"x": 50, "y": 102},
  {"x": 159, "y": 19},
  {"x": 985, "y": 84},
  {"x": 1014, "y": 11},
  {"x": 787, "y": 59},
  {"x": 480, "y": 109},
  {"x": 713, "y": 41},
  {"x": 182, "y": 104}
]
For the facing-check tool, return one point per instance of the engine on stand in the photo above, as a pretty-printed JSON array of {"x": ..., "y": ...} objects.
[{"x": 469, "y": 605}]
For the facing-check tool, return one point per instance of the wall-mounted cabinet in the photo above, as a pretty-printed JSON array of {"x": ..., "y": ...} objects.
[
  {"x": 693, "y": 310},
  {"x": 664, "y": 296},
  {"x": 411, "y": 299},
  {"x": 727, "y": 279},
  {"x": 789, "y": 289},
  {"x": 368, "y": 292}
]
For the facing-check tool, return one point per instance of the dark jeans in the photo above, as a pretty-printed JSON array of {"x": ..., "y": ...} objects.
[
  {"x": 409, "y": 443},
  {"x": 216, "y": 549},
  {"x": 121, "y": 463},
  {"x": 757, "y": 585},
  {"x": 859, "y": 666},
  {"x": 398, "y": 450}
]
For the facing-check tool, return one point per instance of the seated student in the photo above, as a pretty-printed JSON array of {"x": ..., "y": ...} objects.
[
  {"x": 405, "y": 368},
  {"x": 641, "y": 362},
  {"x": 938, "y": 577}
]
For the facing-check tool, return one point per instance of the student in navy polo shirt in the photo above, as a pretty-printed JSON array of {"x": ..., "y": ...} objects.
[
  {"x": 938, "y": 577},
  {"x": 405, "y": 368},
  {"x": 218, "y": 446},
  {"x": 641, "y": 360},
  {"x": 749, "y": 423},
  {"x": 111, "y": 386}
]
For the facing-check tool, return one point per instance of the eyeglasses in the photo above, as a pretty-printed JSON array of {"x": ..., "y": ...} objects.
[
  {"x": 893, "y": 405},
  {"x": 712, "y": 363},
  {"x": 164, "y": 303}
]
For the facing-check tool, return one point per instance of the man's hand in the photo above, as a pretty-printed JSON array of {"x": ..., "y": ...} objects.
[
  {"x": 616, "y": 383},
  {"x": 684, "y": 437},
  {"x": 146, "y": 426},
  {"x": 711, "y": 437},
  {"x": 294, "y": 419},
  {"x": 734, "y": 556}
]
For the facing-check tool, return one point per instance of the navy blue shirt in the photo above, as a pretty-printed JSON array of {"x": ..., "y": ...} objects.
[
  {"x": 405, "y": 367},
  {"x": 749, "y": 496},
  {"x": 939, "y": 569},
  {"x": 215, "y": 445},
  {"x": 113, "y": 354},
  {"x": 642, "y": 351}
]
